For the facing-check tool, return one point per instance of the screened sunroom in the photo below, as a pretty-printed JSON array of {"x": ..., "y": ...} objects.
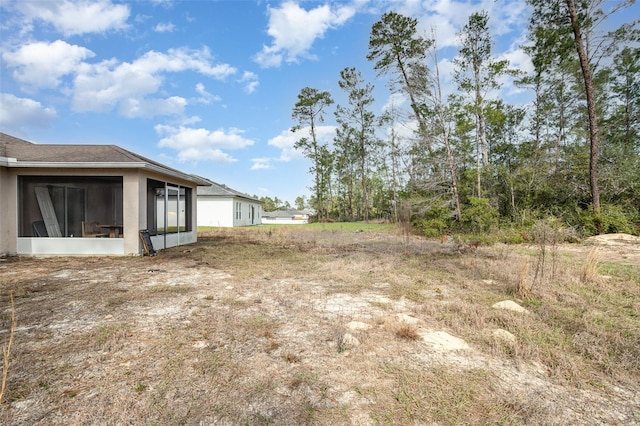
[
  {"x": 90, "y": 200},
  {"x": 69, "y": 206}
]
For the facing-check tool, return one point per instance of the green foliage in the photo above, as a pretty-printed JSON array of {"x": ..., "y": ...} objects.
[
  {"x": 398, "y": 50},
  {"x": 431, "y": 227},
  {"x": 309, "y": 113},
  {"x": 394, "y": 43},
  {"x": 479, "y": 216},
  {"x": 356, "y": 144},
  {"x": 612, "y": 219},
  {"x": 512, "y": 236},
  {"x": 270, "y": 204},
  {"x": 512, "y": 168},
  {"x": 430, "y": 218},
  {"x": 300, "y": 203}
]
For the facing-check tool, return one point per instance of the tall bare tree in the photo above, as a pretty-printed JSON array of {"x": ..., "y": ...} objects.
[
  {"x": 309, "y": 112},
  {"x": 566, "y": 26},
  {"x": 398, "y": 50},
  {"x": 443, "y": 124},
  {"x": 358, "y": 127},
  {"x": 477, "y": 72},
  {"x": 581, "y": 49}
]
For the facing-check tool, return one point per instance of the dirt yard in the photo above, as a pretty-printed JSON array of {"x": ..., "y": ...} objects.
[{"x": 292, "y": 326}]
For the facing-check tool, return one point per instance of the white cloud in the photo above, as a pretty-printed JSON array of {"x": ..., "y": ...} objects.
[
  {"x": 518, "y": 59},
  {"x": 250, "y": 81},
  {"x": 403, "y": 126},
  {"x": 444, "y": 31},
  {"x": 182, "y": 59},
  {"x": 77, "y": 17},
  {"x": 205, "y": 154},
  {"x": 295, "y": 29},
  {"x": 261, "y": 164},
  {"x": 167, "y": 4},
  {"x": 42, "y": 64},
  {"x": 141, "y": 19},
  {"x": 508, "y": 17},
  {"x": 205, "y": 97},
  {"x": 404, "y": 131},
  {"x": 268, "y": 57},
  {"x": 287, "y": 139},
  {"x": 248, "y": 75},
  {"x": 201, "y": 144},
  {"x": 251, "y": 86},
  {"x": 19, "y": 113},
  {"x": 187, "y": 121},
  {"x": 164, "y": 27},
  {"x": 447, "y": 71},
  {"x": 147, "y": 108},
  {"x": 448, "y": 17},
  {"x": 103, "y": 86},
  {"x": 394, "y": 101}
]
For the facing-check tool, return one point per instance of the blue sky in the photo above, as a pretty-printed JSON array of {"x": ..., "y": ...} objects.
[{"x": 208, "y": 87}]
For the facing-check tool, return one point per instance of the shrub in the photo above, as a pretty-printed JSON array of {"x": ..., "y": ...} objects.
[
  {"x": 611, "y": 219},
  {"x": 485, "y": 239},
  {"x": 431, "y": 227},
  {"x": 479, "y": 216},
  {"x": 512, "y": 236},
  {"x": 432, "y": 220}
]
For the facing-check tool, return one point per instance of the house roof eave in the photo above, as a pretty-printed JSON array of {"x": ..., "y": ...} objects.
[
  {"x": 175, "y": 173},
  {"x": 230, "y": 197},
  {"x": 74, "y": 165},
  {"x": 7, "y": 161},
  {"x": 12, "y": 162}
]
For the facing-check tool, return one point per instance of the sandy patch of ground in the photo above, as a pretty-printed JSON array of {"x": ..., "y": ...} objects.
[
  {"x": 623, "y": 248},
  {"x": 177, "y": 339}
]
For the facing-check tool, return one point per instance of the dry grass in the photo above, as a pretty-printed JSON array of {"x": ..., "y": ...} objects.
[
  {"x": 590, "y": 268},
  {"x": 6, "y": 349},
  {"x": 322, "y": 326},
  {"x": 407, "y": 331},
  {"x": 523, "y": 290}
]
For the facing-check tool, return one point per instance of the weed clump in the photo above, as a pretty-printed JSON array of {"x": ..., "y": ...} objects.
[
  {"x": 407, "y": 332},
  {"x": 590, "y": 268}
]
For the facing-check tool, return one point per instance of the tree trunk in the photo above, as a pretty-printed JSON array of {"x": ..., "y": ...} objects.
[
  {"x": 316, "y": 159},
  {"x": 591, "y": 106},
  {"x": 422, "y": 125},
  {"x": 443, "y": 122},
  {"x": 363, "y": 183}
]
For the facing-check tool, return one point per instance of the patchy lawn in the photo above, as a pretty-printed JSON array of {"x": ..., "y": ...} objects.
[{"x": 317, "y": 325}]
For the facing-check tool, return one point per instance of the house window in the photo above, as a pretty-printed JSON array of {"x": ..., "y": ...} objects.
[
  {"x": 56, "y": 206},
  {"x": 168, "y": 208},
  {"x": 238, "y": 211}
]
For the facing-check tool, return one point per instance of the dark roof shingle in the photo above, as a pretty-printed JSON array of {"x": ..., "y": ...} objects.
[
  {"x": 28, "y": 152},
  {"x": 216, "y": 189}
]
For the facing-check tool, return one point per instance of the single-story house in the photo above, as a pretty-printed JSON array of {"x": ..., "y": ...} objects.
[
  {"x": 285, "y": 217},
  {"x": 221, "y": 206},
  {"x": 90, "y": 200}
]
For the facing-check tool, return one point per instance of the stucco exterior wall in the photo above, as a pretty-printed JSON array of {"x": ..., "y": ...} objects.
[
  {"x": 134, "y": 206},
  {"x": 245, "y": 208},
  {"x": 8, "y": 214},
  {"x": 133, "y": 199},
  {"x": 215, "y": 211},
  {"x": 220, "y": 211}
]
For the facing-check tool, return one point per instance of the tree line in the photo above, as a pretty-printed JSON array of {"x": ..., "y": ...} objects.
[{"x": 471, "y": 161}]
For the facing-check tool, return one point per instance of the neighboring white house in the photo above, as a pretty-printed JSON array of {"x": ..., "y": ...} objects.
[
  {"x": 285, "y": 217},
  {"x": 221, "y": 206}
]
